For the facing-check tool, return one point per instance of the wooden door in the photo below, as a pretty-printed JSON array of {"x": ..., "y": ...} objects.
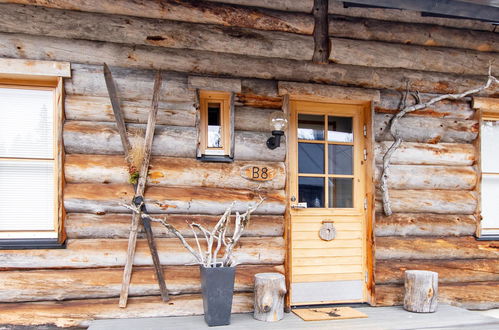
[{"x": 327, "y": 181}]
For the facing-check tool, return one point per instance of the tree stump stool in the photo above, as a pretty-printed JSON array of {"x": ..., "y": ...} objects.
[
  {"x": 421, "y": 291},
  {"x": 270, "y": 289}
]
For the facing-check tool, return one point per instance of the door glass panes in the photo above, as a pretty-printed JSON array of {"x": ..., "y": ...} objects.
[
  {"x": 340, "y": 159},
  {"x": 340, "y": 192},
  {"x": 326, "y": 161},
  {"x": 27, "y": 124},
  {"x": 340, "y": 129},
  {"x": 310, "y": 127},
  {"x": 311, "y": 158},
  {"x": 311, "y": 191},
  {"x": 214, "y": 125}
]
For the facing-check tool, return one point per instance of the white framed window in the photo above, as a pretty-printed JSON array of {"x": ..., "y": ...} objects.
[
  {"x": 31, "y": 152},
  {"x": 489, "y": 166}
]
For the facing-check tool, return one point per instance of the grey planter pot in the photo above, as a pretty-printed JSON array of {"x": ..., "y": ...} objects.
[{"x": 217, "y": 285}]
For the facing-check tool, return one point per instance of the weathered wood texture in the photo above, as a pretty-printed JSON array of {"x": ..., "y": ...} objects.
[
  {"x": 91, "y": 253},
  {"x": 102, "y": 198},
  {"x": 96, "y": 108},
  {"x": 162, "y": 33},
  {"x": 379, "y": 54},
  {"x": 430, "y": 177},
  {"x": 270, "y": 289},
  {"x": 199, "y": 62},
  {"x": 424, "y": 224},
  {"x": 171, "y": 171},
  {"x": 421, "y": 291},
  {"x": 280, "y": 20},
  {"x": 431, "y": 201},
  {"x": 102, "y": 138},
  {"x": 391, "y": 102},
  {"x": 41, "y": 285},
  {"x": 420, "y": 129},
  {"x": 73, "y": 313},
  {"x": 318, "y": 91},
  {"x": 449, "y": 271},
  {"x": 321, "y": 32},
  {"x": 184, "y": 10},
  {"x": 410, "y": 153},
  {"x": 473, "y": 295},
  {"x": 435, "y": 248},
  {"x": 84, "y": 225},
  {"x": 412, "y": 34}
]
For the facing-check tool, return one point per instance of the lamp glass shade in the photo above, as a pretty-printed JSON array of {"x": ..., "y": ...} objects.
[{"x": 278, "y": 121}]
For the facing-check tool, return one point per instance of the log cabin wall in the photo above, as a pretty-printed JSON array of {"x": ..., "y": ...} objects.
[{"x": 259, "y": 43}]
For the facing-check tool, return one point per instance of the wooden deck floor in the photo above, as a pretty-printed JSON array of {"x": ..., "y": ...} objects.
[{"x": 447, "y": 317}]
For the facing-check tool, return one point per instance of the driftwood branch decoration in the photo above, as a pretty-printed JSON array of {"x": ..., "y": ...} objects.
[
  {"x": 215, "y": 239},
  {"x": 394, "y": 130}
]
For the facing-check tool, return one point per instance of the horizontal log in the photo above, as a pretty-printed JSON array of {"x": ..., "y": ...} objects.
[
  {"x": 259, "y": 101},
  {"x": 79, "y": 313},
  {"x": 449, "y": 271},
  {"x": 39, "y": 285},
  {"x": 107, "y": 198},
  {"x": 12, "y": 66},
  {"x": 319, "y": 91},
  {"x": 254, "y": 119},
  {"x": 409, "y": 153},
  {"x": 435, "y": 248},
  {"x": 214, "y": 83},
  {"x": 428, "y": 130},
  {"x": 431, "y": 201},
  {"x": 391, "y": 102},
  {"x": 199, "y": 62},
  {"x": 387, "y": 55},
  {"x": 424, "y": 224},
  {"x": 131, "y": 84},
  {"x": 259, "y": 87},
  {"x": 474, "y": 295},
  {"x": 98, "y": 108},
  {"x": 84, "y": 225},
  {"x": 174, "y": 141},
  {"x": 92, "y": 253},
  {"x": 414, "y": 34},
  {"x": 162, "y": 33},
  {"x": 171, "y": 171},
  {"x": 429, "y": 177},
  {"x": 182, "y": 10}
]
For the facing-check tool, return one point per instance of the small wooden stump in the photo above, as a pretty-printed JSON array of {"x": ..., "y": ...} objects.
[
  {"x": 421, "y": 291},
  {"x": 270, "y": 289}
]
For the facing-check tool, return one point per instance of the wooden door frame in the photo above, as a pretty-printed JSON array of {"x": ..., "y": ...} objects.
[{"x": 369, "y": 188}]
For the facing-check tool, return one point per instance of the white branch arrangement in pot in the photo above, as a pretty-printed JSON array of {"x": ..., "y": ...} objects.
[{"x": 215, "y": 239}]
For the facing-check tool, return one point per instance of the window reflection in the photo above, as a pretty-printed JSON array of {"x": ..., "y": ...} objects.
[
  {"x": 340, "y": 129},
  {"x": 310, "y": 127},
  {"x": 310, "y": 158},
  {"x": 340, "y": 192},
  {"x": 214, "y": 125},
  {"x": 311, "y": 191}
]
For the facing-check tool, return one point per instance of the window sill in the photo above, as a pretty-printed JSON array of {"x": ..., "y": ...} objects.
[
  {"x": 31, "y": 244},
  {"x": 488, "y": 238},
  {"x": 216, "y": 159}
]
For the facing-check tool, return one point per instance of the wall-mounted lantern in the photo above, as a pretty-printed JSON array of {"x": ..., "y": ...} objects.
[{"x": 278, "y": 123}]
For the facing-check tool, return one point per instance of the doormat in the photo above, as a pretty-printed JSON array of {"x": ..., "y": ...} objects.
[{"x": 328, "y": 313}]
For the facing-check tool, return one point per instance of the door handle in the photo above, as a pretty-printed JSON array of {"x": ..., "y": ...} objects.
[{"x": 299, "y": 206}]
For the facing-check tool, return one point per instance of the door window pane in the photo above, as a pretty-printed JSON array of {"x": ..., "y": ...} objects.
[
  {"x": 311, "y": 191},
  {"x": 311, "y": 158},
  {"x": 340, "y": 192},
  {"x": 340, "y": 129},
  {"x": 26, "y": 127},
  {"x": 489, "y": 143},
  {"x": 310, "y": 127},
  {"x": 214, "y": 125},
  {"x": 340, "y": 159}
]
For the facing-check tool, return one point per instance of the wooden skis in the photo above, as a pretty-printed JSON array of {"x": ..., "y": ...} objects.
[{"x": 138, "y": 199}]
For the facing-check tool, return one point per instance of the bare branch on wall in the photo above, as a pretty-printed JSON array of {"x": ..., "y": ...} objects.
[{"x": 395, "y": 130}]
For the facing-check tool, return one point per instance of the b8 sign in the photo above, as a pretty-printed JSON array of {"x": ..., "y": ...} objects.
[{"x": 258, "y": 173}]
